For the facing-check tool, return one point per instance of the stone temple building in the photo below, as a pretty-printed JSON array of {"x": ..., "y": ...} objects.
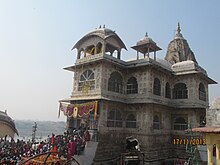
[
  {"x": 7, "y": 126},
  {"x": 148, "y": 98}
]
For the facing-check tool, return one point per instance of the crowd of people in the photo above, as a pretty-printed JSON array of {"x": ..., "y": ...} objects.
[{"x": 66, "y": 145}]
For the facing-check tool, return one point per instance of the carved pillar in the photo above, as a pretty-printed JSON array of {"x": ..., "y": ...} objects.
[
  {"x": 218, "y": 153},
  {"x": 137, "y": 55},
  {"x": 210, "y": 154},
  {"x": 78, "y": 54},
  {"x": 103, "y": 48},
  {"x": 96, "y": 48},
  {"x": 119, "y": 54},
  {"x": 209, "y": 143},
  {"x": 111, "y": 53},
  {"x": 148, "y": 52},
  {"x": 154, "y": 55},
  {"x": 85, "y": 52}
]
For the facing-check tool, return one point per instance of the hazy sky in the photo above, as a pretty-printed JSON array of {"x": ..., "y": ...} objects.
[{"x": 36, "y": 37}]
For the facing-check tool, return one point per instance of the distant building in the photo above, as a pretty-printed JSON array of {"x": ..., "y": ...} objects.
[
  {"x": 149, "y": 98},
  {"x": 212, "y": 132},
  {"x": 7, "y": 125}
]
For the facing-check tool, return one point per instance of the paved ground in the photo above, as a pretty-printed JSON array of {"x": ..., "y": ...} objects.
[{"x": 86, "y": 157}]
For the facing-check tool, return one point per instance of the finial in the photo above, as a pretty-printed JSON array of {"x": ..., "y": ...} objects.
[
  {"x": 178, "y": 27},
  {"x": 146, "y": 35},
  {"x": 178, "y": 35},
  {"x": 104, "y": 26}
]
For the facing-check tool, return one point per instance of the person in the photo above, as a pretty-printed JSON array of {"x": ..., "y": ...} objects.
[
  {"x": 78, "y": 141},
  {"x": 87, "y": 136},
  {"x": 71, "y": 147}
]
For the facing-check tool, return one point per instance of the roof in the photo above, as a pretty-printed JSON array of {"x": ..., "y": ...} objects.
[
  {"x": 146, "y": 44},
  {"x": 103, "y": 33},
  {"x": 5, "y": 119},
  {"x": 178, "y": 49},
  {"x": 207, "y": 130}
]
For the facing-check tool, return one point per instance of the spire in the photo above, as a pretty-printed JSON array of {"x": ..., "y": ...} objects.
[
  {"x": 146, "y": 35},
  {"x": 178, "y": 28},
  {"x": 178, "y": 35},
  {"x": 178, "y": 49}
]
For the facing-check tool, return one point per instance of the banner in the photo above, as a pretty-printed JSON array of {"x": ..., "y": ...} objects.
[{"x": 79, "y": 110}]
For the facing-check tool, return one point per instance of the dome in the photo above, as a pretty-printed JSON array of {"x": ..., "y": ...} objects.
[
  {"x": 146, "y": 40},
  {"x": 104, "y": 34},
  {"x": 215, "y": 103},
  {"x": 146, "y": 45},
  {"x": 7, "y": 125},
  {"x": 100, "y": 40},
  {"x": 178, "y": 49}
]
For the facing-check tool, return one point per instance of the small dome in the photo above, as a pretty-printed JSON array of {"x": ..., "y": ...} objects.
[
  {"x": 7, "y": 125},
  {"x": 146, "y": 45},
  {"x": 102, "y": 33},
  {"x": 178, "y": 49},
  {"x": 215, "y": 103},
  {"x": 146, "y": 40}
]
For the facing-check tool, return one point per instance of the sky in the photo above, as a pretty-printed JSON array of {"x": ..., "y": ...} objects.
[{"x": 36, "y": 38}]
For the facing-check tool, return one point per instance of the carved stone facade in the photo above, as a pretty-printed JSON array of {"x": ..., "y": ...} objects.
[
  {"x": 179, "y": 50},
  {"x": 150, "y": 99}
]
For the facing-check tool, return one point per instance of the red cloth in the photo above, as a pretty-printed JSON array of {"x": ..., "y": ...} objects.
[
  {"x": 52, "y": 139},
  {"x": 71, "y": 147}
]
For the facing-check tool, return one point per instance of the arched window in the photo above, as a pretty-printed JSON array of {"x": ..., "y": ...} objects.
[
  {"x": 202, "y": 93},
  {"x": 157, "y": 87},
  {"x": 80, "y": 53},
  {"x": 180, "y": 91},
  {"x": 156, "y": 122},
  {"x": 86, "y": 80},
  {"x": 132, "y": 86},
  {"x": 115, "y": 83},
  {"x": 202, "y": 121},
  {"x": 90, "y": 50},
  {"x": 114, "y": 119},
  {"x": 131, "y": 121},
  {"x": 167, "y": 91},
  {"x": 180, "y": 124},
  {"x": 99, "y": 48}
]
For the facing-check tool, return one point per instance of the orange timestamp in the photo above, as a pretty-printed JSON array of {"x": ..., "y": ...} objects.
[{"x": 191, "y": 141}]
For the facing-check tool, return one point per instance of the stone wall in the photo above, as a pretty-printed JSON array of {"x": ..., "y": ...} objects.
[
  {"x": 145, "y": 76},
  {"x": 157, "y": 145},
  {"x": 213, "y": 117}
]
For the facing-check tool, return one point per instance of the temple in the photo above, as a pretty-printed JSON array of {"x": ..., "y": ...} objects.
[
  {"x": 7, "y": 126},
  {"x": 151, "y": 99}
]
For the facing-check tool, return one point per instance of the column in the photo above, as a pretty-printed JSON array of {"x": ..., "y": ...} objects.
[
  {"x": 210, "y": 154},
  {"x": 119, "y": 54},
  {"x": 137, "y": 55},
  {"x": 155, "y": 55},
  {"x": 218, "y": 153},
  {"x": 96, "y": 47},
  {"x": 103, "y": 48},
  {"x": 85, "y": 52},
  {"x": 148, "y": 52},
  {"x": 78, "y": 54}
]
